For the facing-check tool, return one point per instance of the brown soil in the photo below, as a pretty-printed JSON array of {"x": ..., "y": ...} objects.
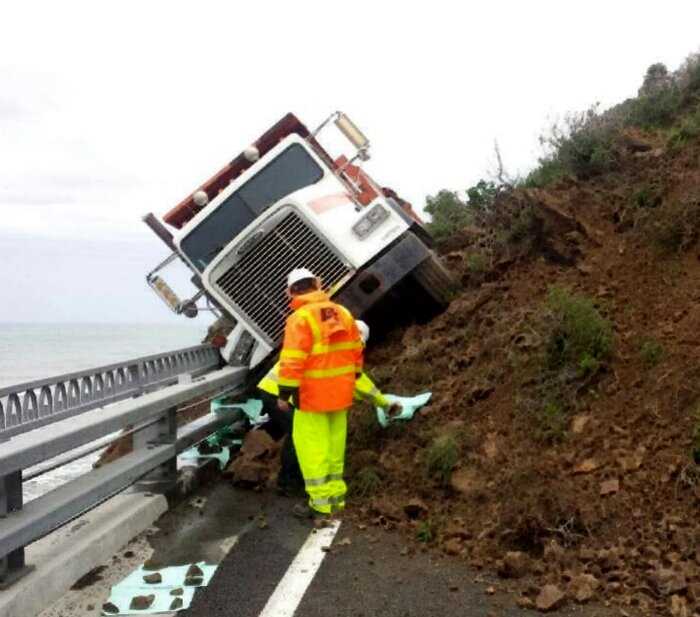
[
  {"x": 609, "y": 511},
  {"x": 124, "y": 445}
]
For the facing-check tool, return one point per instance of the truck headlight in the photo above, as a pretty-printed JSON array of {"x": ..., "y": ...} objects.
[
  {"x": 374, "y": 217},
  {"x": 242, "y": 351}
]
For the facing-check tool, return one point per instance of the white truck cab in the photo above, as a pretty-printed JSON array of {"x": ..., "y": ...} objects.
[{"x": 284, "y": 203}]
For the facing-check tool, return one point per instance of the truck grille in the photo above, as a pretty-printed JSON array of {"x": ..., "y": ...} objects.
[{"x": 257, "y": 282}]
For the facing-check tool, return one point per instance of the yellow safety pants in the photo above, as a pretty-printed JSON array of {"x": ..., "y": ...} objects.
[{"x": 319, "y": 440}]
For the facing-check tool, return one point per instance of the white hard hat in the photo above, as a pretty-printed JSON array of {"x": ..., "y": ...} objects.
[
  {"x": 364, "y": 330},
  {"x": 299, "y": 274}
]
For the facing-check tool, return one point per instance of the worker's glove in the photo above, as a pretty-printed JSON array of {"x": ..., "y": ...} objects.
[
  {"x": 288, "y": 393},
  {"x": 394, "y": 410}
]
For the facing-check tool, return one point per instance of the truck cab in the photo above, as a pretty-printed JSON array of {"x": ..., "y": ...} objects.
[{"x": 281, "y": 204}]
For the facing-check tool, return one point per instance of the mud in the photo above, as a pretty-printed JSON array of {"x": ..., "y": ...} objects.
[{"x": 608, "y": 511}]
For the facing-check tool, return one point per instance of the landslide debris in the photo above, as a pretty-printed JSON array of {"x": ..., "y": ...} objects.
[{"x": 557, "y": 450}]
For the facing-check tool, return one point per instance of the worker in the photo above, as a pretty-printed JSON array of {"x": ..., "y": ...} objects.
[
  {"x": 290, "y": 481},
  {"x": 321, "y": 358}
]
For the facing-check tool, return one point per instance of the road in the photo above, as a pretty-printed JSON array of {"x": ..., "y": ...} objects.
[{"x": 273, "y": 565}]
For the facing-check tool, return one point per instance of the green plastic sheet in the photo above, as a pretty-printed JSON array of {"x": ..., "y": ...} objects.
[{"x": 173, "y": 577}]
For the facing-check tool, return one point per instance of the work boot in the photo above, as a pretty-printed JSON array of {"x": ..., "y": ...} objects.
[{"x": 305, "y": 511}]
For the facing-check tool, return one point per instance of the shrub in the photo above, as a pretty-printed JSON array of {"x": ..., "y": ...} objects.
[
  {"x": 441, "y": 458},
  {"x": 366, "y": 482},
  {"x": 426, "y": 531},
  {"x": 676, "y": 227},
  {"x": 651, "y": 352},
  {"x": 579, "y": 336},
  {"x": 476, "y": 263},
  {"x": 552, "y": 420},
  {"x": 655, "y": 110},
  {"x": 482, "y": 195},
  {"x": 648, "y": 196},
  {"x": 548, "y": 171},
  {"x": 688, "y": 129},
  {"x": 449, "y": 213}
]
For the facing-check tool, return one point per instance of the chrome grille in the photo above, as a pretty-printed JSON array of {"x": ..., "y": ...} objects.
[{"x": 256, "y": 283}]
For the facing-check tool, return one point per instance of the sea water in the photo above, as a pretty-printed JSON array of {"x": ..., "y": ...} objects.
[{"x": 36, "y": 351}]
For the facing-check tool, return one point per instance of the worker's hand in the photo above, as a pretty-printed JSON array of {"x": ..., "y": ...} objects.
[
  {"x": 394, "y": 410},
  {"x": 283, "y": 405}
]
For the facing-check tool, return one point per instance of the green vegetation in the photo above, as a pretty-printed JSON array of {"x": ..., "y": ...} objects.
[
  {"x": 583, "y": 144},
  {"x": 579, "y": 335},
  {"x": 689, "y": 128},
  {"x": 441, "y": 458},
  {"x": 675, "y": 227},
  {"x": 426, "y": 531},
  {"x": 449, "y": 213},
  {"x": 366, "y": 482},
  {"x": 477, "y": 263},
  {"x": 577, "y": 341},
  {"x": 648, "y": 196},
  {"x": 651, "y": 352},
  {"x": 552, "y": 420}
]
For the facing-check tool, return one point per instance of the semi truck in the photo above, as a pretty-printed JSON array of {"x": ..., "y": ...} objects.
[{"x": 284, "y": 202}]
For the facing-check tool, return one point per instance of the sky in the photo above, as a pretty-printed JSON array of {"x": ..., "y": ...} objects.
[{"x": 110, "y": 110}]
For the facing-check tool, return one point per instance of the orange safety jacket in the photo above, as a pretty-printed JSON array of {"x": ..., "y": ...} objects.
[{"x": 321, "y": 354}]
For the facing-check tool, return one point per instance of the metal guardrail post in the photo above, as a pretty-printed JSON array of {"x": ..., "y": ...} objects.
[
  {"x": 12, "y": 566},
  {"x": 164, "y": 432}
]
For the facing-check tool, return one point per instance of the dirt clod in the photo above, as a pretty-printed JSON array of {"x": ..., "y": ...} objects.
[
  {"x": 550, "y": 598},
  {"x": 141, "y": 603}
]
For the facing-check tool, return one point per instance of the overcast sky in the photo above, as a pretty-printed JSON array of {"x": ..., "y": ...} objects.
[{"x": 109, "y": 110}]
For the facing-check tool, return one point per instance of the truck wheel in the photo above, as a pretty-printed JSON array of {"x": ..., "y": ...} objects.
[{"x": 436, "y": 281}]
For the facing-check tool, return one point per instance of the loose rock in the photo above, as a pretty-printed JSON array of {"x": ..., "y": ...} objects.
[
  {"x": 550, "y": 598},
  {"x": 153, "y": 579},
  {"x": 141, "y": 603}
]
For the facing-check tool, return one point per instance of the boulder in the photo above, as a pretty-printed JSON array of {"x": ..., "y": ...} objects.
[
  {"x": 668, "y": 582},
  {"x": 583, "y": 587},
  {"x": 550, "y": 598},
  {"x": 515, "y": 564}
]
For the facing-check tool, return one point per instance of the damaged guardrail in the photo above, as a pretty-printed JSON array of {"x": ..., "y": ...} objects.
[
  {"x": 152, "y": 420},
  {"x": 32, "y": 404}
]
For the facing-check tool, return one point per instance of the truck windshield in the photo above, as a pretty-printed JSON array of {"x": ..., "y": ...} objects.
[{"x": 292, "y": 170}]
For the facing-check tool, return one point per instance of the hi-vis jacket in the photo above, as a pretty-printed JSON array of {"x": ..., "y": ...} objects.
[
  {"x": 365, "y": 390},
  {"x": 321, "y": 354}
]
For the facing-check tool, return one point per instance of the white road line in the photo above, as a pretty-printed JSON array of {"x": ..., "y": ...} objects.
[{"x": 290, "y": 590}]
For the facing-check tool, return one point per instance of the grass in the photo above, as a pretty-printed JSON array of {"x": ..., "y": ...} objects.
[
  {"x": 441, "y": 457},
  {"x": 477, "y": 263},
  {"x": 366, "y": 482},
  {"x": 579, "y": 336},
  {"x": 647, "y": 196},
  {"x": 651, "y": 352},
  {"x": 426, "y": 531}
]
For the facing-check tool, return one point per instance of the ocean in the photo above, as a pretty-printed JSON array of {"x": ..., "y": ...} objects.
[{"x": 36, "y": 351}]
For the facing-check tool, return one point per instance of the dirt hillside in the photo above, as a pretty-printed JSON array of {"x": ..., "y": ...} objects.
[{"x": 558, "y": 447}]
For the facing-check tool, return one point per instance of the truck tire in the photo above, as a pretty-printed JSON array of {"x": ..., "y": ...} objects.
[{"x": 435, "y": 281}]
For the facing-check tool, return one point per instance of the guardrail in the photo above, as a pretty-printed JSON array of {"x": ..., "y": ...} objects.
[
  {"x": 33, "y": 404},
  {"x": 152, "y": 420}
]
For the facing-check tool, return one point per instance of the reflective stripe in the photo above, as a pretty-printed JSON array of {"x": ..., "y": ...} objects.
[
  {"x": 322, "y": 373},
  {"x": 316, "y": 481},
  {"x": 323, "y": 480},
  {"x": 292, "y": 383},
  {"x": 294, "y": 353},
  {"x": 322, "y": 502},
  {"x": 319, "y": 348},
  {"x": 315, "y": 330}
]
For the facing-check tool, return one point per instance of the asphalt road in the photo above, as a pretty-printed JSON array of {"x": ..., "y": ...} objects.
[{"x": 256, "y": 539}]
